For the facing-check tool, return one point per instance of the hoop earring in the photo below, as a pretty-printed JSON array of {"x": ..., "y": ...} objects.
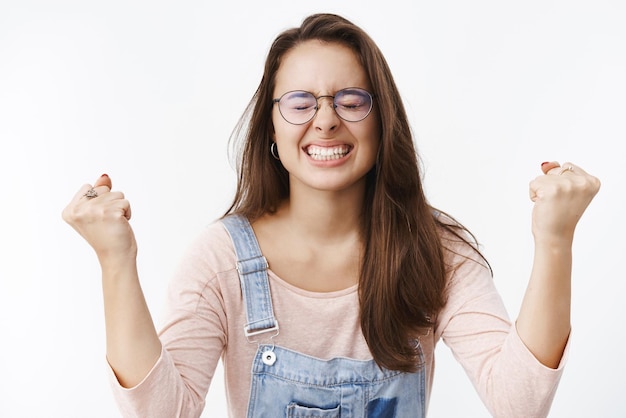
[{"x": 274, "y": 151}]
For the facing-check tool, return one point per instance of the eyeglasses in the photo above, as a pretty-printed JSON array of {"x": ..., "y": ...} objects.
[{"x": 299, "y": 107}]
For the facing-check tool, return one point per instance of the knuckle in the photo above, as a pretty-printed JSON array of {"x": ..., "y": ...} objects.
[
  {"x": 597, "y": 183},
  {"x": 65, "y": 214}
]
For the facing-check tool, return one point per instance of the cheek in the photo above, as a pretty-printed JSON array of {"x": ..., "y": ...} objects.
[
  {"x": 284, "y": 131},
  {"x": 373, "y": 133}
]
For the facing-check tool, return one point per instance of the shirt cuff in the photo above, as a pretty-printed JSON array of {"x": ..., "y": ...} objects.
[{"x": 145, "y": 397}]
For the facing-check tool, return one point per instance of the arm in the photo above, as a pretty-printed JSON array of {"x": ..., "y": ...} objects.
[
  {"x": 475, "y": 326},
  {"x": 560, "y": 197},
  {"x": 514, "y": 368},
  {"x": 133, "y": 346},
  {"x": 165, "y": 375}
]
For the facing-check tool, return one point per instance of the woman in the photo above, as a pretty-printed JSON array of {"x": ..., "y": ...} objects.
[{"x": 364, "y": 275}]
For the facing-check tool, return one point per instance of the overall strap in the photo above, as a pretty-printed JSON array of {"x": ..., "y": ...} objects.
[{"x": 252, "y": 268}]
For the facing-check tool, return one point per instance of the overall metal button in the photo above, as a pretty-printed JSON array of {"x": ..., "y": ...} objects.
[{"x": 268, "y": 357}]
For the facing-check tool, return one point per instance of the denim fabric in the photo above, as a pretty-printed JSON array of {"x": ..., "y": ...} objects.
[
  {"x": 252, "y": 268},
  {"x": 293, "y": 385}
]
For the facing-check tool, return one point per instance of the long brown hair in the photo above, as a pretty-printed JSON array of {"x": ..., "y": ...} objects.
[{"x": 403, "y": 273}]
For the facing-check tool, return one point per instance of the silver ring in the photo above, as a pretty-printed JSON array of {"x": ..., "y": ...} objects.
[
  {"x": 91, "y": 193},
  {"x": 565, "y": 169}
]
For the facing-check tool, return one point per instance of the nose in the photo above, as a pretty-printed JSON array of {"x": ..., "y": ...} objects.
[{"x": 326, "y": 119}]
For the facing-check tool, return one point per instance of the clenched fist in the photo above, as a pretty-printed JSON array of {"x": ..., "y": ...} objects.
[
  {"x": 101, "y": 217},
  {"x": 561, "y": 196}
]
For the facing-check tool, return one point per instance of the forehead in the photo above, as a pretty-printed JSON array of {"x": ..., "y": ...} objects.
[{"x": 321, "y": 68}]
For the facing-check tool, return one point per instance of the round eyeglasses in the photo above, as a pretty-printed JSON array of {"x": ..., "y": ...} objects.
[{"x": 299, "y": 107}]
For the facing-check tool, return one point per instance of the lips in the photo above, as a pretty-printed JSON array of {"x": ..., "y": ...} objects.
[{"x": 327, "y": 153}]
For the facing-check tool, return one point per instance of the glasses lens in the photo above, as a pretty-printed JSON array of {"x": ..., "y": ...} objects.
[
  {"x": 353, "y": 104},
  {"x": 297, "y": 107}
]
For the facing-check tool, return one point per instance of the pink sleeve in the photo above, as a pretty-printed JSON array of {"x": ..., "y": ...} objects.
[
  {"x": 162, "y": 393},
  {"x": 193, "y": 339},
  {"x": 475, "y": 326}
]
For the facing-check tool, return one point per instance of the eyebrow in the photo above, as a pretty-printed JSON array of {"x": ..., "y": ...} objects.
[{"x": 300, "y": 93}]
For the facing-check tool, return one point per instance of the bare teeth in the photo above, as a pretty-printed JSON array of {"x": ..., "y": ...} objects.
[{"x": 327, "y": 153}]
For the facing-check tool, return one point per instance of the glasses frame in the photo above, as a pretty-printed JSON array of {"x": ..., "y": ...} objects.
[{"x": 317, "y": 106}]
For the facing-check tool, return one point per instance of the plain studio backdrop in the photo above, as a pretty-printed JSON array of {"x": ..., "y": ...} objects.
[{"x": 148, "y": 92}]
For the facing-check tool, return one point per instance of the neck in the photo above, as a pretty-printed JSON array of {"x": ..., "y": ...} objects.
[{"x": 325, "y": 215}]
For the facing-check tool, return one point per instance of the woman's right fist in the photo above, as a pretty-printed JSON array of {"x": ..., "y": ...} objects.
[{"x": 101, "y": 217}]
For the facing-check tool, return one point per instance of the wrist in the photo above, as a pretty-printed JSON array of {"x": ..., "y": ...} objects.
[
  {"x": 112, "y": 263},
  {"x": 554, "y": 241}
]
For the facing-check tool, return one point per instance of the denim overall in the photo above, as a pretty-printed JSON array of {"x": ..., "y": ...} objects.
[{"x": 290, "y": 384}]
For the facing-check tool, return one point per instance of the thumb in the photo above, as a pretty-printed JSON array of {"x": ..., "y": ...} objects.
[
  {"x": 549, "y": 165},
  {"x": 103, "y": 180}
]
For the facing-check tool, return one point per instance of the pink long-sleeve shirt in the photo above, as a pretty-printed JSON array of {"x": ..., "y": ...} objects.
[{"x": 206, "y": 316}]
